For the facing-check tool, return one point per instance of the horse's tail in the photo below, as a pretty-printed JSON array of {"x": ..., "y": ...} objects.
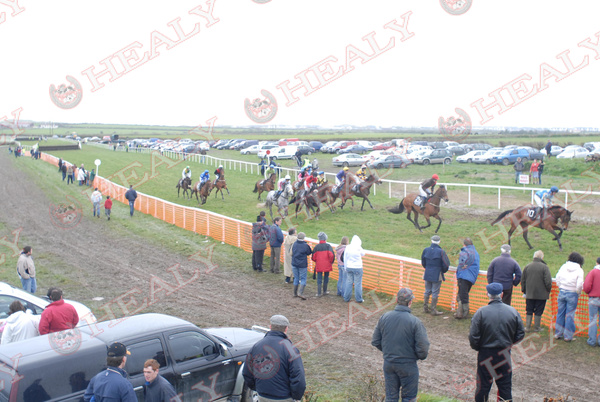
[
  {"x": 501, "y": 216},
  {"x": 399, "y": 209},
  {"x": 255, "y": 188}
]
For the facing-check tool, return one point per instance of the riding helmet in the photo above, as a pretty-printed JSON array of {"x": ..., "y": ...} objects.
[
  {"x": 206, "y": 171},
  {"x": 346, "y": 168},
  {"x": 554, "y": 189},
  {"x": 321, "y": 172},
  {"x": 435, "y": 177},
  {"x": 287, "y": 177}
]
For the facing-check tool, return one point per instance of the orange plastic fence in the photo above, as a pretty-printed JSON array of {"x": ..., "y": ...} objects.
[{"x": 384, "y": 273}]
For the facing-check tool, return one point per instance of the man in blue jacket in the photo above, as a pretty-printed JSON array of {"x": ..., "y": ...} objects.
[
  {"x": 112, "y": 384},
  {"x": 131, "y": 196},
  {"x": 436, "y": 262},
  {"x": 274, "y": 367},
  {"x": 300, "y": 252},
  {"x": 467, "y": 271},
  {"x": 275, "y": 240},
  {"x": 505, "y": 271}
]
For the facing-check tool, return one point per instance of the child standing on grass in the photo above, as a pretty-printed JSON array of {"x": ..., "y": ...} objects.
[{"x": 107, "y": 206}]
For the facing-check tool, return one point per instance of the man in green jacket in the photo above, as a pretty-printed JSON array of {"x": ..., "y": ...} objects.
[{"x": 536, "y": 284}]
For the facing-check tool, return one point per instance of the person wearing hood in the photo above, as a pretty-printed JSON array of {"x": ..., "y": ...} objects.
[
  {"x": 339, "y": 252},
  {"x": 289, "y": 241},
  {"x": 536, "y": 285},
  {"x": 570, "y": 283},
  {"x": 352, "y": 259},
  {"x": 506, "y": 271},
  {"x": 591, "y": 286},
  {"x": 300, "y": 251},
  {"x": 19, "y": 325},
  {"x": 323, "y": 256}
]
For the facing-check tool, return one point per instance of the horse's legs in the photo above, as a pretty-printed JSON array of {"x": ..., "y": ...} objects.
[
  {"x": 556, "y": 236},
  {"x": 428, "y": 222},
  {"x": 369, "y": 201},
  {"x": 440, "y": 224},
  {"x": 416, "y": 221},
  {"x": 525, "y": 227},
  {"x": 363, "y": 204},
  {"x": 225, "y": 189}
]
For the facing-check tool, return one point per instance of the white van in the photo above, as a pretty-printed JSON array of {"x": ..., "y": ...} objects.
[{"x": 286, "y": 152}]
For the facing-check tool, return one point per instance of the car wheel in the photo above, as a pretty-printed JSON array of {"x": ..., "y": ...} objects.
[
  {"x": 447, "y": 161},
  {"x": 380, "y": 166},
  {"x": 524, "y": 160},
  {"x": 505, "y": 162},
  {"x": 469, "y": 160},
  {"x": 345, "y": 164},
  {"x": 309, "y": 153},
  {"x": 488, "y": 162},
  {"x": 274, "y": 158},
  {"x": 426, "y": 162}
]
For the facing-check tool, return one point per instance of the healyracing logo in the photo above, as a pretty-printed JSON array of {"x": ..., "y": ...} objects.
[
  {"x": 67, "y": 96},
  {"x": 65, "y": 342},
  {"x": 261, "y": 1},
  {"x": 456, "y": 7},
  {"x": 261, "y": 110},
  {"x": 66, "y": 216},
  {"x": 455, "y": 128}
]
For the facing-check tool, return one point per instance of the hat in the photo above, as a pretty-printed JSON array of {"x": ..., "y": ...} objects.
[
  {"x": 505, "y": 248},
  {"x": 404, "y": 295},
  {"x": 435, "y": 239},
  {"x": 280, "y": 320},
  {"x": 301, "y": 236},
  {"x": 117, "y": 349},
  {"x": 494, "y": 288},
  {"x": 346, "y": 168},
  {"x": 322, "y": 236}
]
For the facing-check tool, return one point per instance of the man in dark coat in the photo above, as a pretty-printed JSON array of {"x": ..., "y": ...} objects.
[
  {"x": 536, "y": 284},
  {"x": 260, "y": 237},
  {"x": 518, "y": 166},
  {"x": 131, "y": 196},
  {"x": 157, "y": 388},
  {"x": 300, "y": 252},
  {"x": 275, "y": 240},
  {"x": 436, "y": 262},
  {"x": 494, "y": 329},
  {"x": 506, "y": 271},
  {"x": 548, "y": 149}
]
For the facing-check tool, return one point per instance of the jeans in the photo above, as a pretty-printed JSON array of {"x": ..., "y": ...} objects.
[
  {"x": 517, "y": 174},
  {"x": 341, "y": 279},
  {"x": 107, "y": 212},
  {"x": 405, "y": 376},
  {"x": 97, "y": 209},
  {"x": 433, "y": 289},
  {"x": 299, "y": 275},
  {"x": 540, "y": 178},
  {"x": 29, "y": 285},
  {"x": 64, "y": 175},
  {"x": 69, "y": 179},
  {"x": 565, "y": 318},
  {"x": 320, "y": 280},
  {"x": 353, "y": 276},
  {"x": 594, "y": 308},
  {"x": 131, "y": 203}
]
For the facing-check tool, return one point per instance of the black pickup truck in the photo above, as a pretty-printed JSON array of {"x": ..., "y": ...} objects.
[{"x": 202, "y": 364}]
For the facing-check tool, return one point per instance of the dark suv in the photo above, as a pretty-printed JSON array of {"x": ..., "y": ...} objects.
[{"x": 202, "y": 364}]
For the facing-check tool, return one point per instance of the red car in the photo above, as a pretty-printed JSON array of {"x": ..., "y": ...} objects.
[
  {"x": 383, "y": 146},
  {"x": 343, "y": 145}
]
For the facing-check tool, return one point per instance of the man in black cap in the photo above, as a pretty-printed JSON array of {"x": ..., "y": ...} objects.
[
  {"x": 403, "y": 340},
  {"x": 112, "y": 384},
  {"x": 494, "y": 329},
  {"x": 274, "y": 367},
  {"x": 436, "y": 263}
]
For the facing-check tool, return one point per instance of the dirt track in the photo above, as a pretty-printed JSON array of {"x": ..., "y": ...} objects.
[{"x": 108, "y": 263}]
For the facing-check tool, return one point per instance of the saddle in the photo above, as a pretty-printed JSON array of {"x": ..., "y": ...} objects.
[
  {"x": 534, "y": 212},
  {"x": 420, "y": 201}
]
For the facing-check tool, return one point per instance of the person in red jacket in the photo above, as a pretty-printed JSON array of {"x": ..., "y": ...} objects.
[
  {"x": 323, "y": 256},
  {"x": 107, "y": 206},
  {"x": 310, "y": 182},
  {"x": 58, "y": 315},
  {"x": 591, "y": 286}
]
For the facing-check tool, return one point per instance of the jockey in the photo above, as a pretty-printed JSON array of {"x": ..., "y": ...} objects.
[
  {"x": 427, "y": 187},
  {"x": 219, "y": 173},
  {"x": 311, "y": 182},
  {"x": 186, "y": 174},
  {"x": 321, "y": 179},
  {"x": 269, "y": 171},
  {"x": 281, "y": 184},
  {"x": 340, "y": 179},
  {"x": 362, "y": 173},
  {"x": 302, "y": 175},
  {"x": 204, "y": 177},
  {"x": 543, "y": 199}
]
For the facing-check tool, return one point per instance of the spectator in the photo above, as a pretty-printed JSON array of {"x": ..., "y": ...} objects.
[
  {"x": 63, "y": 170},
  {"x": 60, "y": 163},
  {"x": 536, "y": 285},
  {"x": 276, "y": 240},
  {"x": 494, "y": 329},
  {"x": 112, "y": 384},
  {"x": 323, "y": 256},
  {"x": 518, "y": 166},
  {"x": 96, "y": 199},
  {"x": 274, "y": 366},
  {"x": 26, "y": 270},
  {"x": 263, "y": 216},
  {"x": 260, "y": 232},
  {"x": 107, "y": 206},
  {"x": 70, "y": 174},
  {"x": 352, "y": 258},
  {"x": 506, "y": 271},
  {"x": 81, "y": 175},
  {"x": 315, "y": 164},
  {"x": 533, "y": 170},
  {"x": 435, "y": 261},
  {"x": 300, "y": 251},
  {"x": 157, "y": 388},
  {"x": 591, "y": 286},
  {"x": 131, "y": 195},
  {"x": 19, "y": 324},
  {"x": 570, "y": 283},
  {"x": 262, "y": 164},
  {"x": 403, "y": 340},
  {"x": 467, "y": 272},
  {"x": 58, "y": 315},
  {"x": 548, "y": 150},
  {"x": 287, "y": 261},
  {"x": 540, "y": 171},
  {"x": 92, "y": 177},
  {"x": 339, "y": 252}
]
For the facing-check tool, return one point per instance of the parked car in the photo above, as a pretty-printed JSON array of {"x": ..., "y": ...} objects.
[
  {"x": 509, "y": 156},
  {"x": 436, "y": 156},
  {"x": 571, "y": 153},
  {"x": 437, "y": 145},
  {"x": 468, "y": 157},
  {"x": 328, "y": 147},
  {"x": 306, "y": 150},
  {"x": 317, "y": 145},
  {"x": 35, "y": 305},
  {"x": 533, "y": 153},
  {"x": 487, "y": 156},
  {"x": 353, "y": 149},
  {"x": 348, "y": 160},
  {"x": 262, "y": 151},
  {"x": 387, "y": 161},
  {"x": 368, "y": 145},
  {"x": 245, "y": 144},
  {"x": 383, "y": 146},
  {"x": 199, "y": 363},
  {"x": 555, "y": 150},
  {"x": 342, "y": 145},
  {"x": 457, "y": 150},
  {"x": 590, "y": 146},
  {"x": 477, "y": 147},
  {"x": 253, "y": 149},
  {"x": 286, "y": 152}
]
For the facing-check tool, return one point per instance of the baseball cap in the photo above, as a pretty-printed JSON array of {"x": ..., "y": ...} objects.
[
  {"x": 435, "y": 239},
  {"x": 117, "y": 349},
  {"x": 280, "y": 320},
  {"x": 405, "y": 295}
]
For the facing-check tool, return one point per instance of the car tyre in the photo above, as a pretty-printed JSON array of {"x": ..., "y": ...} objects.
[
  {"x": 447, "y": 161},
  {"x": 274, "y": 158},
  {"x": 488, "y": 162},
  {"x": 426, "y": 162},
  {"x": 469, "y": 160},
  {"x": 345, "y": 164},
  {"x": 524, "y": 160},
  {"x": 379, "y": 166},
  {"x": 505, "y": 162},
  {"x": 309, "y": 153}
]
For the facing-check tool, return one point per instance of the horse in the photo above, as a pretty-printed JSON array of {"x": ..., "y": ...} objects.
[
  {"x": 265, "y": 185},
  {"x": 184, "y": 184},
  {"x": 310, "y": 199},
  {"x": 204, "y": 191},
  {"x": 282, "y": 202},
  {"x": 432, "y": 208},
  {"x": 220, "y": 185},
  {"x": 348, "y": 191},
  {"x": 521, "y": 217},
  {"x": 323, "y": 192}
]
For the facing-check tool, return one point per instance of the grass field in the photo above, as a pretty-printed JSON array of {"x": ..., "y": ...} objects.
[{"x": 379, "y": 230}]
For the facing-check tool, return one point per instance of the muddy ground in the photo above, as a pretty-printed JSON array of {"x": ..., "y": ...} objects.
[{"x": 111, "y": 261}]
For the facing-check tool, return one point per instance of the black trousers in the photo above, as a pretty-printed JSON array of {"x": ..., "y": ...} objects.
[
  {"x": 257, "y": 259},
  {"x": 534, "y": 306},
  {"x": 464, "y": 287},
  {"x": 507, "y": 296},
  {"x": 494, "y": 365}
]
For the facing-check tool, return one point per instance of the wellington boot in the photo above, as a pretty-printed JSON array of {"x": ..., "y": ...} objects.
[
  {"x": 301, "y": 292},
  {"x": 536, "y": 323},
  {"x": 459, "y": 311},
  {"x": 295, "y": 290},
  {"x": 325, "y": 283},
  {"x": 528, "y": 323},
  {"x": 434, "y": 311},
  {"x": 319, "y": 294},
  {"x": 465, "y": 310},
  {"x": 426, "y": 305}
]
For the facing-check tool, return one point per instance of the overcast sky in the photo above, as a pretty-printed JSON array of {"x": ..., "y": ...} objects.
[{"x": 380, "y": 62}]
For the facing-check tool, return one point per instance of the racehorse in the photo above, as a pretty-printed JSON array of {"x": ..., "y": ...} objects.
[
  {"x": 220, "y": 185},
  {"x": 310, "y": 199},
  {"x": 282, "y": 202},
  {"x": 184, "y": 184},
  {"x": 204, "y": 191},
  {"x": 323, "y": 194},
  {"x": 432, "y": 208},
  {"x": 349, "y": 190},
  {"x": 265, "y": 185},
  {"x": 522, "y": 217}
]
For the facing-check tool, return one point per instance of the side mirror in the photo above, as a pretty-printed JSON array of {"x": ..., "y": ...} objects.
[{"x": 224, "y": 350}]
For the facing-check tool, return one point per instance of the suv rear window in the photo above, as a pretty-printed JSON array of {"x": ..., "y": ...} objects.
[{"x": 190, "y": 345}]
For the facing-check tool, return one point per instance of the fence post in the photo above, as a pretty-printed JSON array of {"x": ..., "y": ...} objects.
[
  {"x": 469, "y": 202},
  {"x": 566, "y": 200},
  {"x": 405, "y": 190},
  {"x": 499, "y": 198},
  {"x": 390, "y": 188}
]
